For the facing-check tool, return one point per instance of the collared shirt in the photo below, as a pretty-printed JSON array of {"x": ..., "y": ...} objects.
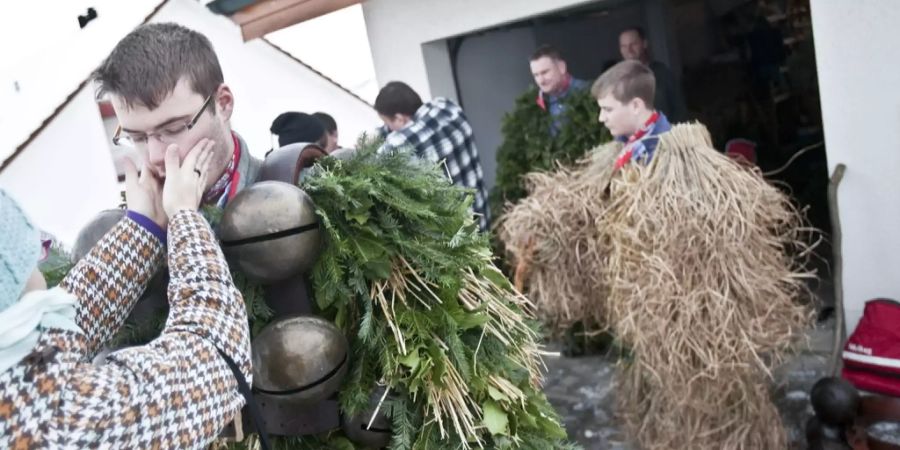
[
  {"x": 553, "y": 104},
  {"x": 240, "y": 173},
  {"x": 642, "y": 147}
]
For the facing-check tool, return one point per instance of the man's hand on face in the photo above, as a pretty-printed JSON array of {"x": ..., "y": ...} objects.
[
  {"x": 143, "y": 193},
  {"x": 186, "y": 180}
]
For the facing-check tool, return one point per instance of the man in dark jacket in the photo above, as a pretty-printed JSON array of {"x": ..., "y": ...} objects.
[{"x": 669, "y": 99}]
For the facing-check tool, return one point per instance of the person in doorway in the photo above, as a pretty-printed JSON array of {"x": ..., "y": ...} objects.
[
  {"x": 331, "y": 131},
  {"x": 551, "y": 75},
  {"x": 669, "y": 99},
  {"x": 439, "y": 132},
  {"x": 625, "y": 95}
]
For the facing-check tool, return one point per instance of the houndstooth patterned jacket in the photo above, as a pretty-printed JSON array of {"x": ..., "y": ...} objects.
[{"x": 174, "y": 393}]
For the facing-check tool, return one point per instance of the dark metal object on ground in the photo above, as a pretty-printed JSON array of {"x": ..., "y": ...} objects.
[{"x": 835, "y": 401}]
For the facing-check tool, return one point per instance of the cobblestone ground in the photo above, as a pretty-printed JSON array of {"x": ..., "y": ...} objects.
[{"x": 583, "y": 392}]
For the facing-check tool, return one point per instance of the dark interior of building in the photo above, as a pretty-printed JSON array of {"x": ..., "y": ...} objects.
[{"x": 747, "y": 69}]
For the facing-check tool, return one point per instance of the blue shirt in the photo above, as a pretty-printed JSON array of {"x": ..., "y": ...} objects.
[
  {"x": 554, "y": 103},
  {"x": 644, "y": 147}
]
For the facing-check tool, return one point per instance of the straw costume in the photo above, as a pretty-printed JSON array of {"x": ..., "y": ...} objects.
[{"x": 693, "y": 262}]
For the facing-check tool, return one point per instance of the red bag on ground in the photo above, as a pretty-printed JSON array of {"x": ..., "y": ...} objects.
[{"x": 872, "y": 353}]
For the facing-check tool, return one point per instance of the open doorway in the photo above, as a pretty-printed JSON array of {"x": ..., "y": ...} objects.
[
  {"x": 746, "y": 67},
  {"x": 749, "y": 73},
  {"x": 755, "y": 78}
]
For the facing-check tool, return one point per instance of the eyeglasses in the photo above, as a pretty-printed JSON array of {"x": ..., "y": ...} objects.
[{"x": 168, "y": 134}]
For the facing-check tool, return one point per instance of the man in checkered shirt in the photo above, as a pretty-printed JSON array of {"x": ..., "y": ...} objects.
[{"x": 439, "y": 132}]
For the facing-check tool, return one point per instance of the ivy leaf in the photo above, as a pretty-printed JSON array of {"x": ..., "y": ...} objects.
[
  {"x": 497, "y": 395},
  {"x": 361, "y": 216},
  {"x": 369, "y": 249},
  {"x": 378, "y": 269},
  {"x": 495, "y": 418},
  {"x": 411, "y": 359},
  {"x": 341, "y": 443},
  {"x": 496, "y": 277}
]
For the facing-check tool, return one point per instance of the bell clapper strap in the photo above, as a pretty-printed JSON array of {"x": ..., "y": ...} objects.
[{"x": 255, "y": 415}]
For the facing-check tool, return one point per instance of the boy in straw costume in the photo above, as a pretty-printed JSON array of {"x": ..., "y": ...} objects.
[{"x": 686, "y": 256}]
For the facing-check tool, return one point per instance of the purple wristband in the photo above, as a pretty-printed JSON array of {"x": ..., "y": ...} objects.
[{"x": 148, "y": 225}]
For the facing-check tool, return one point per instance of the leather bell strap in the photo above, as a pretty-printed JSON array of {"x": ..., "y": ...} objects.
[{"x": 244, "y": 389}]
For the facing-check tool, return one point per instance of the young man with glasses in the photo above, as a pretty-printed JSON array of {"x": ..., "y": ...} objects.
[
  {"x": 167, "y": 89},
  {"x": 166, "y": 86}
]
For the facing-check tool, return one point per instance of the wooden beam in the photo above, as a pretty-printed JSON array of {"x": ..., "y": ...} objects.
[
  {"x": 261, "y": 9},
  {"x": 4, "y": 164},
  {"x": 267, "y": 16}
]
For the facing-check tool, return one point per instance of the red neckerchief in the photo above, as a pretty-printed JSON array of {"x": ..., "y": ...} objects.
[
  {"x": 625, "y": 156},
  {"x": 229, "y": 180},
  {"x": 540, "y": 97},
  {"x": 235, "y": 175}
]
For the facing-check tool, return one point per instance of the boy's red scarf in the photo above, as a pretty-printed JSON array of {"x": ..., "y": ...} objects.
[{"x": 628, "y": 151}]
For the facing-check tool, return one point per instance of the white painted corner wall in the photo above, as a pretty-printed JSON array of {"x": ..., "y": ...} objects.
[
  {"x": 398, "y": 29},
  {"x": 66, "y": 175},
  {"x": 45, "y": 56},
  {"x": 858, "y": 60}
]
